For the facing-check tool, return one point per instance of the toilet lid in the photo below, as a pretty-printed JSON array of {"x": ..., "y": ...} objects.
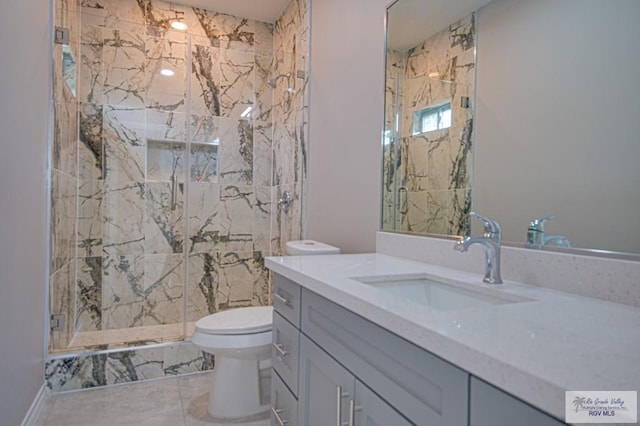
[{"x": 255, "y": 319}]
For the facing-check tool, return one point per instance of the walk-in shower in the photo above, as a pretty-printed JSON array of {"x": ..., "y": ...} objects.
[{"x": 164, "y": 188}]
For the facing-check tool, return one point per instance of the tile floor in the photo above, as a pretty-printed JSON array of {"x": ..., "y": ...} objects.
[{"x": 176, "y": 401}]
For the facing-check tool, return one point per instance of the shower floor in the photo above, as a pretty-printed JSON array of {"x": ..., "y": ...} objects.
[{"x": 108, "y": 339}]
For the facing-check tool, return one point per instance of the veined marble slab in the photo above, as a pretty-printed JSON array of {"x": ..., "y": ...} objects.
[{"x": 110, "y": 367}]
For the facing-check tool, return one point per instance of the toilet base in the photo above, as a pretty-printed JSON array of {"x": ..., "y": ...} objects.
[{"x": 235, "y": 389}]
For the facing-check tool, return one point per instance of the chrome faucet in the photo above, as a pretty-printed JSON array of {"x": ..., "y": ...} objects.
[
  {"x": 490, "y": 241},
  {"x": 536, "y": 237}
]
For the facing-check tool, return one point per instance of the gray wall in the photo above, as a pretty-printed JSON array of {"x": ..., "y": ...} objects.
[
  {"x": 23, "y": 165},
  {"x": 559, "y": 118},
  {"x": 346, "y": 116}
]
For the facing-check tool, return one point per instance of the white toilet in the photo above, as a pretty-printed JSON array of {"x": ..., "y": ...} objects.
[{"x": 240, "y": 339}]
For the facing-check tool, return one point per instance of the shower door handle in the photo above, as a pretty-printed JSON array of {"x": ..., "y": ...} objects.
[
  {"x": 279, "y": 419},
  {"x": 403, "y": 205},
  {"x": 174, "y": 191}
]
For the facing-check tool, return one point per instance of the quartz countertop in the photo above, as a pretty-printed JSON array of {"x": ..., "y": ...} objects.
[{"x": 535, "y": 350}]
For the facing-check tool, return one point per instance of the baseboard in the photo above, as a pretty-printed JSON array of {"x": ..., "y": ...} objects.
[{"x": 36, "y": 407}]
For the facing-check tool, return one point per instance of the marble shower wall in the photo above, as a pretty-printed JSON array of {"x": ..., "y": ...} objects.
[
  {"x": 108, "y": 367},
  {"x": 290, "y": 123},
  {"x": 435, "y": 167},
  {"x": 114, "y": 206}
]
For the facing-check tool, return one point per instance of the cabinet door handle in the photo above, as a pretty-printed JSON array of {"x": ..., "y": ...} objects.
[
  {"x": 276, "y": 414},
  {"x": 281, "y": 298},
  {"x": 352, "y": 411},
  {"x": 280, "y": 349},
  {"x": 339, "y": 397}
]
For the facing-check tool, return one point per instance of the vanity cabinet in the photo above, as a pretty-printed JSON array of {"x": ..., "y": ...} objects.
[
  {"x": 331, "y": 395},
  {"x": 285, "y": 352},
  {"x": 333, "y": 367},
  {"x": 492, "y": 407},
  {"x": 422, "y": 387}
]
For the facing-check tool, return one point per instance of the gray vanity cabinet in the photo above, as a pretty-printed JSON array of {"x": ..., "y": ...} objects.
[
  {"x": 284, "y": 405},
  {"x": 333, "y": 367},
  {"x": 492, "y": 407},
  {"x": 371, "y": 410},
  {"x": 325, "y": 387},
  {"x": 331, "y": 395}
]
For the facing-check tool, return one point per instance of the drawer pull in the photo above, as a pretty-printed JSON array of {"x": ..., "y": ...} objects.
[
  {"x": 280, "y": 349},
  {"x": 339, "y": 397},
  {"x": 281, "y": 298},
  {"x": 352, "y": 411},
  {"x": 276, "y": 414}
]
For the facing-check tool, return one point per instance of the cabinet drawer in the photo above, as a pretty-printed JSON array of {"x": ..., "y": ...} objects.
[
  {"x": 284, "y": 351},
  {"x": 492, "y": 407},
  {"x": 286, "y": 299},
  {"x": 421, "y": 386},
  {"x": 284, "y": 406}
]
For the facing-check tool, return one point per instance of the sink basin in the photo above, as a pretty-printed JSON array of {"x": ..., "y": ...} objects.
[{"x": 437, "y": 293}]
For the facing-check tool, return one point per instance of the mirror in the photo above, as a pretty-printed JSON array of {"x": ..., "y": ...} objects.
[{"x": 551, "y": 124}]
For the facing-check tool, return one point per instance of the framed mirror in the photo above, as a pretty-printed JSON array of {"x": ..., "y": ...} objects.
[{"x": 518, "y": 110}]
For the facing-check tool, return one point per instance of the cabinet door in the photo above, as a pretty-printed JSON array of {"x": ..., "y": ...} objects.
[
  {"x": 285, "y": 351},
  {"x": 325, "y": 388},
  {"x": 284, "y": 407},
  {"x": 371, "y": 410},
  {"x": 492, "y": 407}
]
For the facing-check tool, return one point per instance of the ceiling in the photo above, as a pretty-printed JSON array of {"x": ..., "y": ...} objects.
[
  {"x": 413, "y": 21},
  {"x": 260, "y": 10}
]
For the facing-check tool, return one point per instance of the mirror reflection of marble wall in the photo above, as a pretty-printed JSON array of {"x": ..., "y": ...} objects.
[
  {"x": 427, "y": 175},
  {"x": 556, "y": 120}
]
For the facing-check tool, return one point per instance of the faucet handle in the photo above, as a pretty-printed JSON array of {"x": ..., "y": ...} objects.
[
  {"x": 538, "y": 224},
  {"x": 535, "y": 231},
  {"x": 491, "y": 227}
]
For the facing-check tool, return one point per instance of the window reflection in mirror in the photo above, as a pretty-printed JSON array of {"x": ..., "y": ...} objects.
[{"x": 69, "y": 69}]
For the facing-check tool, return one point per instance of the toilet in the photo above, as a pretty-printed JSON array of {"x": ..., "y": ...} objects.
[{"x": 240, "y": 340}]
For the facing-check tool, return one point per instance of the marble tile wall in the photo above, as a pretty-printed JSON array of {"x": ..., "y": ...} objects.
[
  {"x": 290, "y": 122},
  {"x": 118, "y": 233},
  {"x": 435, "y": 167},
  {"x": 103, "y": 368}
]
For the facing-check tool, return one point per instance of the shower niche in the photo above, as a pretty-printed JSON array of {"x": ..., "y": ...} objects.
[{"x": 167, "y": 162}]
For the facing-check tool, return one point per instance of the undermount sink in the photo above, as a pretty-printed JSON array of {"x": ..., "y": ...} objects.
[{"x": 437, "y": 293}]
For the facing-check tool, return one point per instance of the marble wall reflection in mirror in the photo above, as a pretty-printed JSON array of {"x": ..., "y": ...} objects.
[{"x": 552, "y": 127}]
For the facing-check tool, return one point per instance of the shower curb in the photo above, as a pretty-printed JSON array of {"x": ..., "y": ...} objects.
[{"x": 105, "y": 367}]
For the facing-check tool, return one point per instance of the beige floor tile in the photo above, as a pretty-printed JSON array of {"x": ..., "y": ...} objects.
[
  {"x": 176, "y": 401},
  {"x": 194, "y": 390},
  {"x": 149, "y": 403}
]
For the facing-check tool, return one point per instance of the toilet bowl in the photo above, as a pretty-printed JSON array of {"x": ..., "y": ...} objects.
[{"x": 240, "y": 339}]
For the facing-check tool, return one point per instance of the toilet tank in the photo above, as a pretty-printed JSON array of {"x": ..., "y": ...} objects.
[{"x": 306, "y": 247}]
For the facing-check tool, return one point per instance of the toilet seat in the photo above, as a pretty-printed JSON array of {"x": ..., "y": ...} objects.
[{"x": 238, "y": 321}]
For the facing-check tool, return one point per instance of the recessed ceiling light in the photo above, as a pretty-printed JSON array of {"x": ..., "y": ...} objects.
[
  {"x": 178, "y": 25},
  {"x": 167, "y": 72},
  {"x": 246, "y": 112},
  {"x": 434, "y": 74}
]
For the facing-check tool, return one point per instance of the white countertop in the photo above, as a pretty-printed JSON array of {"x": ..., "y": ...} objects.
[{"x": 535, "y": 350}]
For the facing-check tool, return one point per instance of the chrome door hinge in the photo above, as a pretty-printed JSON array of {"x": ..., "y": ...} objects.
[
  {"x": 56, "y": 322},
  {"x": 61, "y": 35}
]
